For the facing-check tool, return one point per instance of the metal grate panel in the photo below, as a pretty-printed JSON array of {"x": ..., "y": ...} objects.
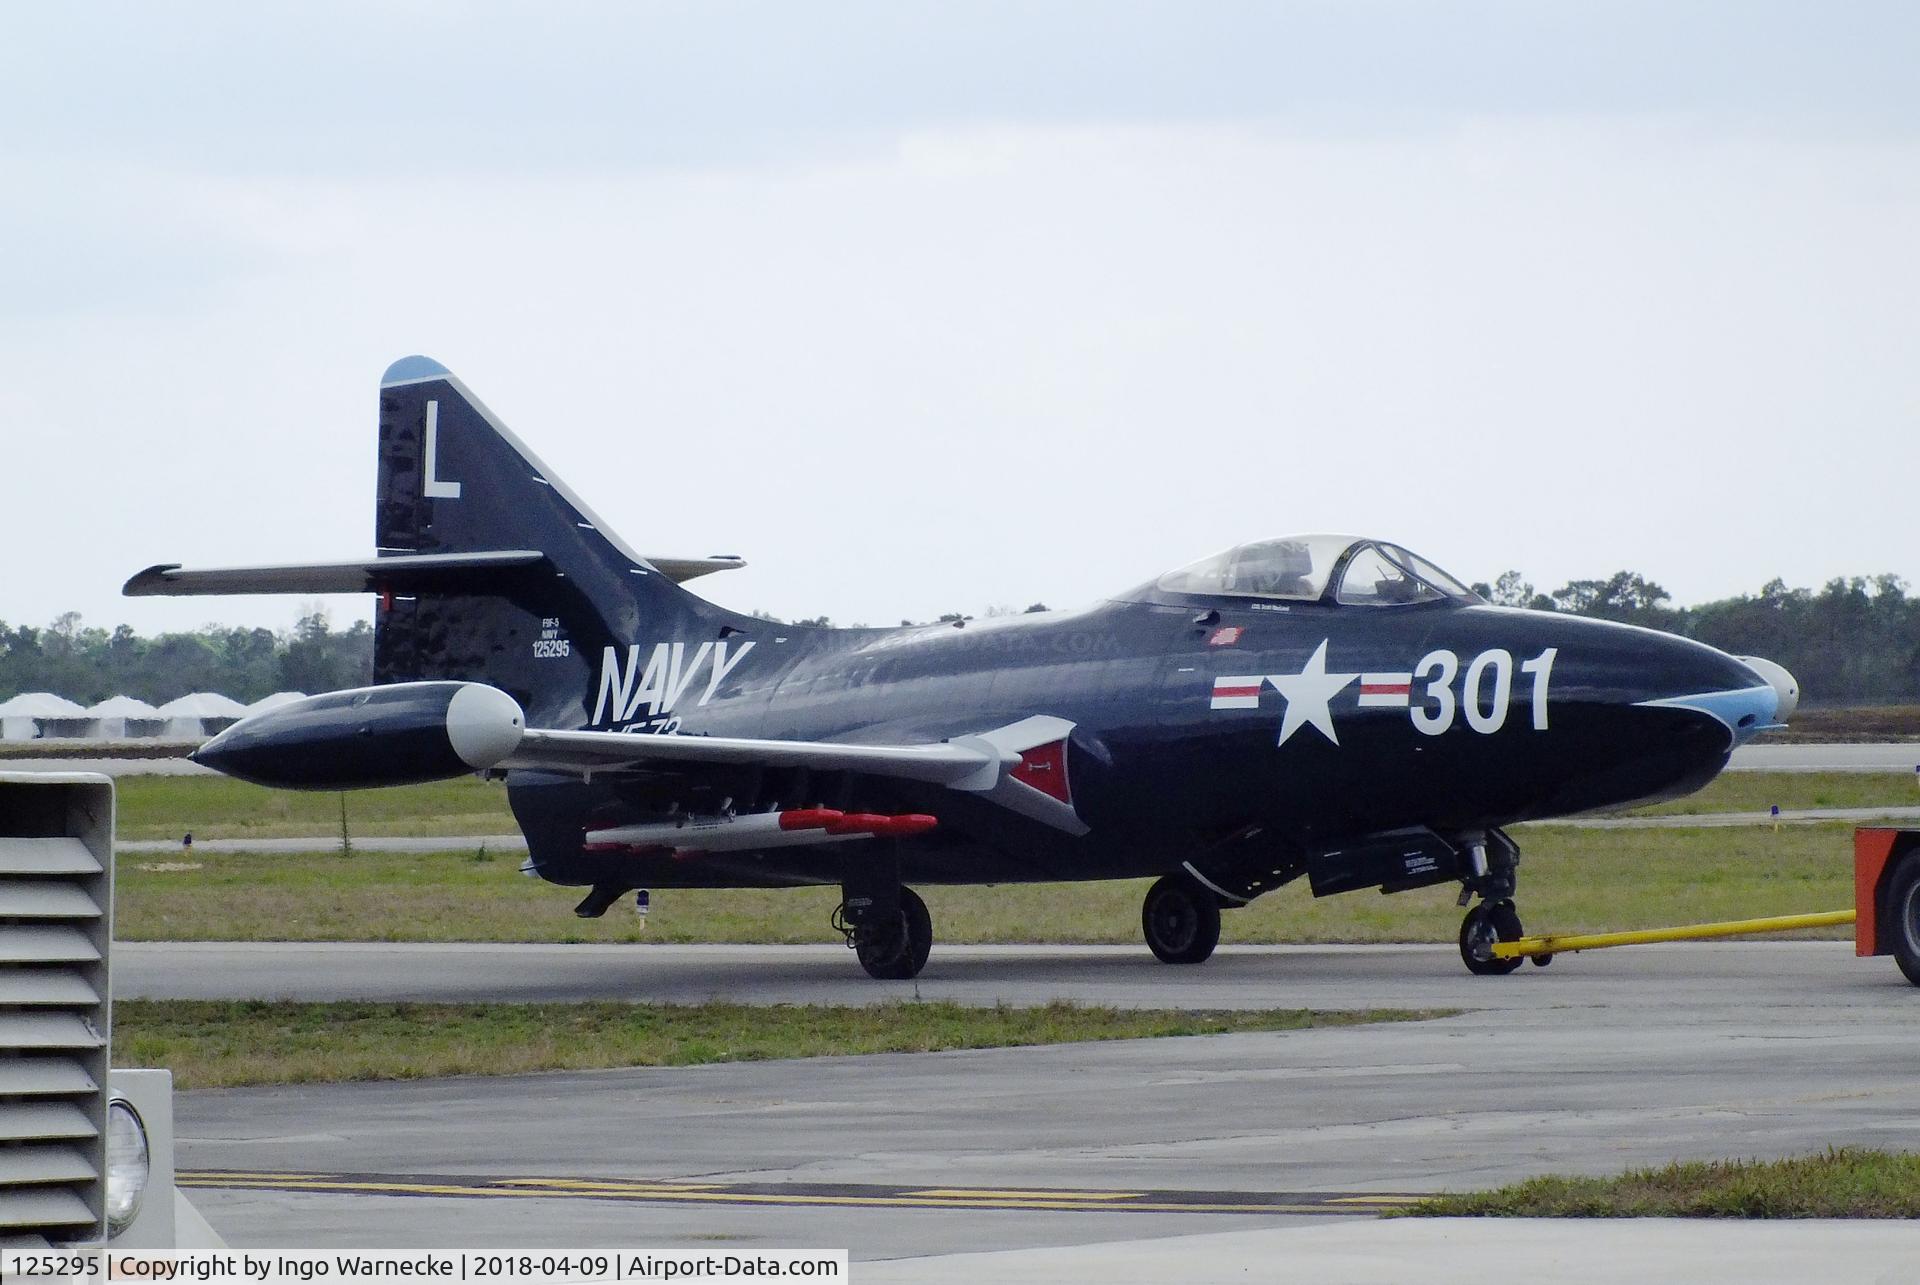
[
  {"x": 32, "y": 1120},
  {"x": 58, "y": 1212},
  {"x": 66, "y": 986},
  {"x": 44, "y": 1030},
  {"x": 39, "y": 1076},
  {"x": 24, "y": 944},
  {"x": 45, "y": 899},
  {"x": 46, "y": 856},
  {"x": 25, "y": 1165},
  {"x": 56, "y": 899}
]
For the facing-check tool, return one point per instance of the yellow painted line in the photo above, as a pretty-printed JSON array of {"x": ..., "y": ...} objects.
[
  {"x": 744, "y": 1198},
  {"x": 1568, "y": 943},
  {"x": 990, "y": 1193},
  {"x": 329, "y": 1184},
  {"x": 607, "y": 1184},
  {"x": 1376, "y": 1200}
]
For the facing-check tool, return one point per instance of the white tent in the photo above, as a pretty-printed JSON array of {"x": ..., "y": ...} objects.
[
  {"x": 119, "y": 717},
  {"x": 21, "y": 719},
  {"x": 200, "y": 714},
  {"x": 275, "y": 701}
]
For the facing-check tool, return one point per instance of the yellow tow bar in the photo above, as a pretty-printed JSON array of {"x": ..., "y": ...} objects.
[{"x": 1568, "y": 943}]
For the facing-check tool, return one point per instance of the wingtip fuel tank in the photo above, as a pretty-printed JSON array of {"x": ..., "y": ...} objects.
[{"x": 399, "y": 734}]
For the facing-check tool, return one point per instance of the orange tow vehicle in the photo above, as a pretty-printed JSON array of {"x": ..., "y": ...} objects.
[{"x": 1886, "y": 892}]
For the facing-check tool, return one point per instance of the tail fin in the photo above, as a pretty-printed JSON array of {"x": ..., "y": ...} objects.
[{"x": 454, "y": 481}]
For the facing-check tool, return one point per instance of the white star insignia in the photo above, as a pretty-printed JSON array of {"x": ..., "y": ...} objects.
[{"x": 1308, "y": 694}]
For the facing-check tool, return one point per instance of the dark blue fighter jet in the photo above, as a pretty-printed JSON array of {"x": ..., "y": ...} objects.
[{"x": 1326, "y": 706}]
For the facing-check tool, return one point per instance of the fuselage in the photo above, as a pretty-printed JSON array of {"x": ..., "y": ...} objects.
[{"x": 1195, "y": 718}]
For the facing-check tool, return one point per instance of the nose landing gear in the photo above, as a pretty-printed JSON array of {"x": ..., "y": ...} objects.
[
  {"x": 1492, "y": 861},
  {"x": 1486, "y": 923}
]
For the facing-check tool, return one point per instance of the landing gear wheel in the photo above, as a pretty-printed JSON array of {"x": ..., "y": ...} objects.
[
  {"x": 1181, "y": 921},
  {"x": 1486, "y": 923},
  {"x": 897, "y": 952},
  {"x": 1902, "y": 916}
]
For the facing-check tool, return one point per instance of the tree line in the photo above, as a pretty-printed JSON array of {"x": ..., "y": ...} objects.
[
  {"x": 90, "y": 664},
  {"x": 1855, "y": 641}
]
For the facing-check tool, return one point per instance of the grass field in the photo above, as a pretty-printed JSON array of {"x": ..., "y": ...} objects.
[
  {"x": 166, "y": 807},
  {"x": 219, "y": 807},
  {"x": 1860, "y": 723},
  {"x": 1842, "y": 1183},
  {"x": 1570, "y": 881},
  {"x": 1757, "y": 791},
  {"x": 211, "y": 1044}
]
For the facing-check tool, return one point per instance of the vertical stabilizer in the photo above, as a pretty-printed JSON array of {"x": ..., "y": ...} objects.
[{"x": 453, "y": 479}]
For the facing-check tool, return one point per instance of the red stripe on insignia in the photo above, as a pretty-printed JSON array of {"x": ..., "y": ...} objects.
[
  {"x": 1236, "y": 691},
  {"x": 1386, "y": 689}
]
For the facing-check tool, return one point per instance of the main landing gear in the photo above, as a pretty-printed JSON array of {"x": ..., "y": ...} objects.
[
  {"x": 885, "y": 923},
  {"x": 1181, "y": 920},
  {"x": 891, "y": 947},
  {"x": 1492, "y": 862}
]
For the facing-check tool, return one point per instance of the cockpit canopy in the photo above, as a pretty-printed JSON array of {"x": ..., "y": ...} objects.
[{"x": 1299, "y": 568}]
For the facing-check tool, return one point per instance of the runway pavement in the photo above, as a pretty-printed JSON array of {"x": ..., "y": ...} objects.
[
  {"x": 1711, "y": 977},
  {"x": 1773, "y": 756},
  {"x": 517, "y": 843},
  {"x": 1599, "y": 1062}
]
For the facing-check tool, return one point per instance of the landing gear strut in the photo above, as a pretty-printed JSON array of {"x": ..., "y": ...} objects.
[
  {"x": 1181, "y": 920},
  {"x": 1492, "y": 861},
  {"x": 885, "y": 922}
]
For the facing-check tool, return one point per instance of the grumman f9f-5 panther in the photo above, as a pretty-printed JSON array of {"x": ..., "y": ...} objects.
[{"x": 1323, "y": 706}]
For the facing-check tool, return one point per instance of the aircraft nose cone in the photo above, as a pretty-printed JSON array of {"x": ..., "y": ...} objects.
[
  {"x": 1786, "y": 688},
  {"x": 1726, "y": 689},
  {"x": 212, "y": 753}
]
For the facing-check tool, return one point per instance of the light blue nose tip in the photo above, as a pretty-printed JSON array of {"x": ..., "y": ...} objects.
[{"x": 1746, "y": 711}]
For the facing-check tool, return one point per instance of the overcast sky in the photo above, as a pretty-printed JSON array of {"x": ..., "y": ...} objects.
[{"x": 927, "y": 307}]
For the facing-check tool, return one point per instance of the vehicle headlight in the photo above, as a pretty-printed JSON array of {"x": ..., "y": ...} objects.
[{"x": 127, "y": 1165}]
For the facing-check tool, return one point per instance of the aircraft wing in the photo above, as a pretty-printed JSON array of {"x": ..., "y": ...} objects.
[
  {"x": 1021, "y": 766},
  {"x": 406, "y": 732},
  {"x": 941, "y": 763}
]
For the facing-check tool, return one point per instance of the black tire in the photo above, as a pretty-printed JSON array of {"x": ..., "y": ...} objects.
[
  {"x": 1180, "y": 920},
  {"x": 1486, "y": 923},
  {"x": 898, "y": 953},
  {"x": 1900, "y": 916}
]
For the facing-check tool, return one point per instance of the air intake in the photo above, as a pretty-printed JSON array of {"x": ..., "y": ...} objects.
[{"x": 56, "y": 897}]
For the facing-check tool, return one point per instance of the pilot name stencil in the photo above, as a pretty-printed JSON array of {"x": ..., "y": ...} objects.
[{"x": 1485, "y": 696}]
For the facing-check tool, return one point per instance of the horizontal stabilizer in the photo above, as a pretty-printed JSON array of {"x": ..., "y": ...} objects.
[
  {"x": 681, "y": 570},
  {"x": 401, "y": 573}
]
